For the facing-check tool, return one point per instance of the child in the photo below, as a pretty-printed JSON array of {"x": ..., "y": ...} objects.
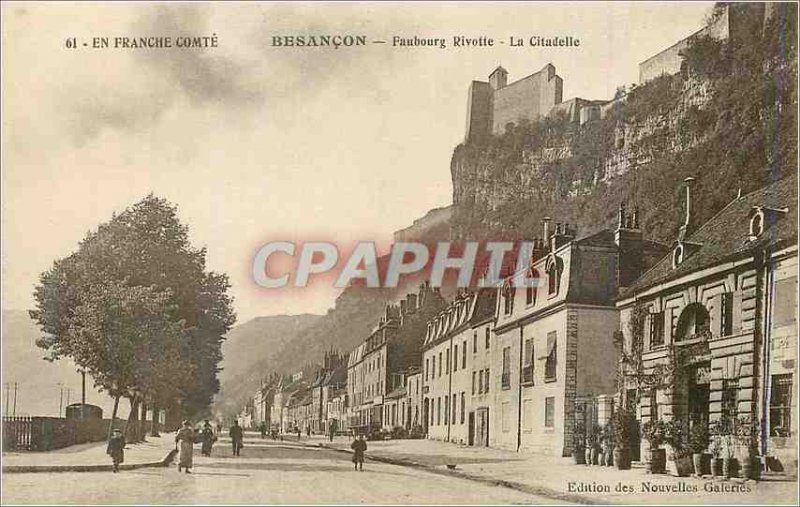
[
  {"x": 116, "y": 448},
  {"x": 358, "y": 446}
]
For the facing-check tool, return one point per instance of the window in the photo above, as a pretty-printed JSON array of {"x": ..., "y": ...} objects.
[
  {"x": 426, "y": 368},
  {"x": 505, "y": 379},
  {"x": 438, "y": 410},
  {"x": 463, "y": 406},
  {"x": 730, "y": 402},
  {"x": 433, "y": 367},
  {"x": 693, "y": 322},
  {"x": 487, "y": 338},
  {"x": 780, "y": 406},
  {"x": 527, "y": 362},
  {"x": 447, "y": 355},
  {"x": 656, "y": 329},
  {"x": 726, "y": 320},
  {"x": 464, "y": 355},
  {"x": 552, "y": 357},
  {"x": 486, "y": 382},
  {"x": 527, "y": 415},
  {"x": 475, "y": 342},
  {"x": 757, "y": 224},
  {"x": 446, "y": 409},
  {"x": 474, "y": 375},
  {"x": 549, "y": 412},
  {"x": 480, "y": 383},
  {"x": 783, "y": 307},
  {"x": 553, "y": 276},
  {"x": 508, "y": 299},
  {"x": 677, "y": 256},
  {"x": 440, "y": 364},
  {"x": 455, "y": 408},
  {"x": 530, "y": 291},
  {"x": 455, "y": 358}
]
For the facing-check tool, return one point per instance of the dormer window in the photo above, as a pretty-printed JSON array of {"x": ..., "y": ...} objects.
[
  {"x": 763, "y": 217},
  {"x": 508, "y": 299},
  {"x": 553, "y": 277},
  {"x": 530, "y": 291},
  {"x": 677, "y": 255}
]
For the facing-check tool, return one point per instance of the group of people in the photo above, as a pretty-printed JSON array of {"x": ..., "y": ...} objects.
[{"x": 186, "y": 437}]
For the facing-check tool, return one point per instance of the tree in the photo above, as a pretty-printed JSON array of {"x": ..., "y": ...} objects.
[{"x": 135, "y": 306}]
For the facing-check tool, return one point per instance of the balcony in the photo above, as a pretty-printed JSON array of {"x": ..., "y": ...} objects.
[{"x": 527, "y": 375}]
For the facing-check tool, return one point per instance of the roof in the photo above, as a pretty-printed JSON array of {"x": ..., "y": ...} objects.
[
  {"x": 726, "y": 236},
  {"x": 479, "y": 307},
  {"x": 398, "y": 392}
]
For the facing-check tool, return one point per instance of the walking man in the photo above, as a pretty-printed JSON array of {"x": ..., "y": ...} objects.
[
  {"x": 116, "y": 448},
  {"x": 359, "y": 446},
  {"x": 185, "y": 437},
  {"x": 237, "y": 435}
]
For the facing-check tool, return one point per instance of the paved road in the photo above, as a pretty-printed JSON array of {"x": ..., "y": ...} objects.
[{"x": 265, "y": 473}]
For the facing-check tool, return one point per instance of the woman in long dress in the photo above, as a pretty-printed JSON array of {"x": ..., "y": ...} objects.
[{"x": 185, "y": 437}]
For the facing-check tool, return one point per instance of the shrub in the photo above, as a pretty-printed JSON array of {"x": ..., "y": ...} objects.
[
  {"x": 654, "y": 432},
  {"x": 624, "y": 426},
  {"x": 698, "y": 438}
]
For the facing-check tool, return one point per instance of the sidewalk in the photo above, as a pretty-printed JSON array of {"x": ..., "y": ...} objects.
[
  {"x": 560, "y": 478},
  {"x": 92, "y": 457}
]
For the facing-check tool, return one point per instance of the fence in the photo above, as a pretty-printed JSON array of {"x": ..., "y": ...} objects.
[{"x": 48, "y": 433}]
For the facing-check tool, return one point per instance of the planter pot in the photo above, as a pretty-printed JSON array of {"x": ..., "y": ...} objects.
[
  {"x": 658, "y": 461},
  {"x": 751, "y": 469},
  {"x": 587, "y": 456},
  {"x": 622, "y": 458},
  {"x": 702, "y": 463},
  {"x": 684, "y": 466},
  {"x": 579, "y": 456},
  {"x": 716, "y": 467},
  {"x": 595, "y": 456},
  {"x": 730, "y": 467},
  {"x": 609, "y": 457}
]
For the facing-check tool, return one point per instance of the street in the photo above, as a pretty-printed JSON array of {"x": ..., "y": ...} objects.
[{"x": 265, "y": 473}]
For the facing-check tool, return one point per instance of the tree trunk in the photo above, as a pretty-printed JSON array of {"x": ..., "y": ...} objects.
[
  {"x": 142, "y": 421},
  {"x": 113, "y": 418},
  {"x": 154, "y": 424},
  {"x": 130, "y": 425}
]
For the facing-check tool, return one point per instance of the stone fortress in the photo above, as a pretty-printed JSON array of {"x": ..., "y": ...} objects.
[{"x": 495, "y": 104}]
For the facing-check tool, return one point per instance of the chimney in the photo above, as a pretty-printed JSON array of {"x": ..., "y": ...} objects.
[
  {"x": 403, "y": 307},
  {"x": 546, "y": 232},
  {"x": 562, "y": 235},
  {"x": 630, "y": 250},
  {"x": 687, "y": 221}
]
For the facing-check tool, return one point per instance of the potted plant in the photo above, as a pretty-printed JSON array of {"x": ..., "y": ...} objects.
[
  {"x": 579, "y": 442},
  {"x": 698, "y": 443},
  {"x": 654, "y": 433},
  {"x": 747, "y": 438},
  {"x": 593, "y": 443},
  {"x": 624, "y": 423},
  {"x": 716, "y": 431},
  {"x": 676, "y": 437},
  {"x": 730, "y": 465}
]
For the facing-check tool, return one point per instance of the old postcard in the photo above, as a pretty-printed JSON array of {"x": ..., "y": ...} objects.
[{"x": 444, "y": 253}]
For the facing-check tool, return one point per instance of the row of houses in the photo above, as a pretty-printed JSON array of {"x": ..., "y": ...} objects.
[{"x": 516, "y": 367}]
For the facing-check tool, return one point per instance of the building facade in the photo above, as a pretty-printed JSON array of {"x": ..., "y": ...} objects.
[
  {"x": 449, "y": 360},
  {"x": 722, "y": 307}
]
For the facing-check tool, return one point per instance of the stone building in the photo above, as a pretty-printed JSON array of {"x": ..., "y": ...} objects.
[
  {"x": 724, "y": 301},
  {"x": 449, "y": 375},
  {"x": 378, "y": 365},
  {"x": 494, "y": 104},
  {"x": 413, "y": 415},
  {"x": 330, "y": 377},
  {"x": 554, "y": 340}
]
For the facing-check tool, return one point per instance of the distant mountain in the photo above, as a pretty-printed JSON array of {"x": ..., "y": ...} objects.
[{"x": 40, "y": 382}]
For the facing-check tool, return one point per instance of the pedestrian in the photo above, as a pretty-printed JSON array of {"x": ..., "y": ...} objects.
[
  {"x": 330, "y": 431},
  {"x": 237, "y": 436},
  {"x": 116, "y": 448},
  {"x": 308, "y": 431},
  {"x": 297, "y": 428},
  {"x": 208, "y": 438},
  {"x": 185, "y": 438},
  {"x": 219, "y": 427},
  {"x": 263, "y": 429},
  {"x": 359, "y": 446}
]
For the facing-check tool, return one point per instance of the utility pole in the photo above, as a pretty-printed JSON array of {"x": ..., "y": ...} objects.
[
  {"x": 60, "y": 398},
  {"x": 83, "y": 387}
]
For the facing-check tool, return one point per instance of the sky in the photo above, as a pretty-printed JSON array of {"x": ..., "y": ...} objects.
[{"x": 256, "y": 143}]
